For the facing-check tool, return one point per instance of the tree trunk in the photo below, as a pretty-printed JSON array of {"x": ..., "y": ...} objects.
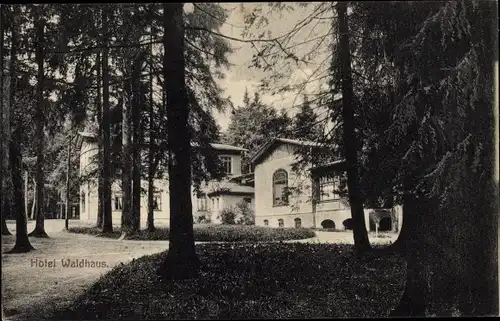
[
  {"x": 151, "y": 170},
  {"x": 496, "y": 142},
  {"x": 33, "y": 205},
  {"x": 413, "y": 301},
  {"x": 181, "y": 261},
  {"x": 61, "y": 205},
  {"x": 361, "y": 241},
  {"x": 3, "y": 195},
  {"x": 150, "y": 220},
  {"x": 26, "y": 190},
  {"x": 68, "y": 175},
  {"x": 100, "y": 186},
  {"x": 137, "y": 141},
  {"x": 23, "y": 244},
  {"x": 40, "y": 134},
  {"x": 107, "y": 224},
  {"x": 127, "y": 163},
  {"x": 127, "y": 218}
]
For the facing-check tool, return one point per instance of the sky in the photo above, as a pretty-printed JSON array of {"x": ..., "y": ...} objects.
[{"x": 240, "y": 76}]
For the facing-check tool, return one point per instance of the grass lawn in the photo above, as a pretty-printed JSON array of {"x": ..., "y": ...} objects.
[
  {"x": 243, "y": 281},
  {"x": 214, "y": 233}
]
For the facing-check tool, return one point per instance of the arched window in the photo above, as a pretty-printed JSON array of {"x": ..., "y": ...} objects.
[
  {"x": 266, "y": 222},
  {"x": 298, "y": 223},
  {"x": 280, "y": 187},
  {"x": 281, "y": 223}
]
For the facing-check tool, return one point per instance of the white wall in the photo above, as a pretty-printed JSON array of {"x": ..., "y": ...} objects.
[
  {"x": 281, "y": 158},
  {"x": 300, "y": 206},
  {"x": 161, "y": 217},
  {"x": 300, "y": 203}
]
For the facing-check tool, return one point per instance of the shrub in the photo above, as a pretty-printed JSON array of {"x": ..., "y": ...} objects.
[
  {"x": 204, "y": 219},
  {"x": 240, "y": 214},
  {"x": 326, "y": 229},
  {"x": 228, "y": 215},
  {"x": 243, "y": 233},
  {"x": 216, "y": 233},
  {"x": 245, "y": 213}
]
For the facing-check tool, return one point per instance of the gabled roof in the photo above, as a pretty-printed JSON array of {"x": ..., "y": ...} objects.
[
  {"x": 232, "y": 188},
  {"x": 221, "y": 147},
  {"x": 228, "y": 147},
  {"x": 264, "y": 149}
]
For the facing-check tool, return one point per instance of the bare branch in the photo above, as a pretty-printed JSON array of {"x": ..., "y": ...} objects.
[{"x": 137, "y": 45}]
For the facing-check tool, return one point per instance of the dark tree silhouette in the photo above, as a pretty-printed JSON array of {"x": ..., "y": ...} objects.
[
  {"x": 39, "y": 118},
  {"x": 181, "y": 261},
  {"x": 361, "y": 241},
  {"x": 107, "y": 224},
  {"x": 22, "y": 241},
  {"x": 3, "y": 195}
]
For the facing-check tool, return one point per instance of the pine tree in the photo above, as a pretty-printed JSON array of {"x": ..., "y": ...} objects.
[
  {"x": 306, "y": 125},
  {"x": 361, "y": 242},
  {"x": 107, "y": 224},
  {"x": 40, "y": 125},
  {"x": 252, "y": 124},
  {"x": 436, "y": 79},
  {"x": 181, "y": 261},
  {"x": 22, "y": 244},
  {"x": 3, "y": 194}
]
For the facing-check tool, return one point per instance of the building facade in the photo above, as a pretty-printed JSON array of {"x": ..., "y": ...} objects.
[
  {"x": 206, "y": 205},
  {"x": 288, "y": 198}
]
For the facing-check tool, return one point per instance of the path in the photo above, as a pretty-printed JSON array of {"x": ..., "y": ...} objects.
[{"x": 28, "y": 286}]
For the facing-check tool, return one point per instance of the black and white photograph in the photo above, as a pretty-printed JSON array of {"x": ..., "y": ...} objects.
[{"x": 249, "y": 160}]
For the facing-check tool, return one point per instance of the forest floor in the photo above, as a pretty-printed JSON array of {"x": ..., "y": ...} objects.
[{"x": 31, "y": 291}]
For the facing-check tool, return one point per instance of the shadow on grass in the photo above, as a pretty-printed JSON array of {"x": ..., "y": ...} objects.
[{"x": 245, "y": 281}]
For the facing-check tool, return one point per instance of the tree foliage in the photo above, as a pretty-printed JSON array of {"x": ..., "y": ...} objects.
[{"x": 252, "y": 124}]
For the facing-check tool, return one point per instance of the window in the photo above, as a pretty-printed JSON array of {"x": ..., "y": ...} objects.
[
  {"x": 266, "y": 222},
  {"x": 327, "y": 187},
  {"x": 247, "y": 200},
  {"x": 218, "y": 203},
  {"x": 157, "y": 202},
  {"x": 226, "y": 164},
  {"x": 118, "y": 205},
  {"x": 280, "y": 187},
  {"x": 298, "y": 223},
  {"x": 281, "y": 223},
  {"x": 83, "y": 202},
  {"x": 213, "y": 204},
  {"x": 202, "y": 203}
]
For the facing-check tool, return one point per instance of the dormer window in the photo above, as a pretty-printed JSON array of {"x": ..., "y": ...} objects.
[{"x": 226, "y": 164}]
